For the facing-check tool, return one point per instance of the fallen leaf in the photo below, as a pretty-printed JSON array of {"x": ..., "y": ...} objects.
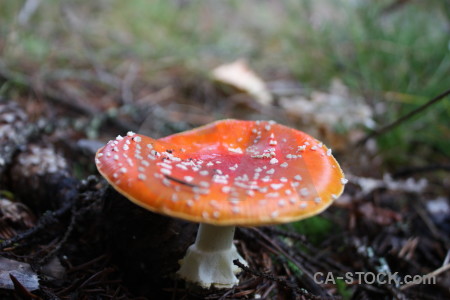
[
  {"x": 239, "y": 75},
  {"x": 21, "y": 271}
]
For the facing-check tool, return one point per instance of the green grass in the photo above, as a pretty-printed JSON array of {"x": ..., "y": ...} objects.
[
  {"x": 316, "y": 228},
  {"x": 343, "y": 290},
  {"x": 395, "y": 60},
  {"x": 399, "y": 60}
]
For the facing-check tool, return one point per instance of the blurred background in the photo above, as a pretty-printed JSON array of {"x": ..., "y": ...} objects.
[{"x": 341, "y": 65}]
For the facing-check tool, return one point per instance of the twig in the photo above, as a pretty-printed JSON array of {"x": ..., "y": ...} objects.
[
  {"x": 20, "y": 290},
  {"x": 399, "y": 121},
  {"x": 282, "y": 282},
  {"x": 435, "y": 273},
  {"x": 71, "y": 195},
  {"x": 267, "y": 292},
  {"x": 75, "y": 214},
  {"x": 289, "y": 234},
  {"x": 307, "y": 276},
  {"x": 87, "y": 264},
  {"x": 59, "y": 244},
  {"x": 428, "y": 222},
  {"x": 312, "y": 249},
  {"x": 224, "y": 296},
  {"x": 44, "y": 221}
]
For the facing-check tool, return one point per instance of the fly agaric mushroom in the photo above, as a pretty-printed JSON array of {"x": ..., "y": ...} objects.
[{"x": 222, "y": 175}]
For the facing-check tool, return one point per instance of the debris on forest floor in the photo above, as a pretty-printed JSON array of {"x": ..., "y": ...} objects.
[
  {"x": 22, "y": 272},
  {"x": 331, "y": 108},
  {"x": 368, "y": 185},
  {"x": 239, "y": 75},
  {"x": 62, "y": 232}
]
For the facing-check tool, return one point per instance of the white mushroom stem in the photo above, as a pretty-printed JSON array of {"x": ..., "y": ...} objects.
[{"x": 209, "y": 261}]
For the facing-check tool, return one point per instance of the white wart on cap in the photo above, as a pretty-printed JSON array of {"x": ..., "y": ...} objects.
[{"x": 229, "y": 172}]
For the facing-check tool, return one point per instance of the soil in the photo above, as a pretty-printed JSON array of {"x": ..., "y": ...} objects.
[{"x": 85, "y": 241}]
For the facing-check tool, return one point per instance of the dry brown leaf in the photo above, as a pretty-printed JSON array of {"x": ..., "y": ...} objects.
[{"x": 239, "y": 75}]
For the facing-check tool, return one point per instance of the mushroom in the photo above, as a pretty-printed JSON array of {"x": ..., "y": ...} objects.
[{"x": 225, "y": 174}]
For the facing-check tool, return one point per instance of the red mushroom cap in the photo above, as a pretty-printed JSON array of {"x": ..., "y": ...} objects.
[{"x": 228, "y": 172}]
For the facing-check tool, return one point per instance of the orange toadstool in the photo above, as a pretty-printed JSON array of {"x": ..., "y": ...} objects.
[{"x": 222, "y": 175}]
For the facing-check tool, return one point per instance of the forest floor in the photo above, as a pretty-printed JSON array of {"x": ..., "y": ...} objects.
[{"x": 65, "y": 234}]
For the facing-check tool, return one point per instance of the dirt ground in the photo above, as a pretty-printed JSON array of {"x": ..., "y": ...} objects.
[{"x": 60, "y": 222}]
